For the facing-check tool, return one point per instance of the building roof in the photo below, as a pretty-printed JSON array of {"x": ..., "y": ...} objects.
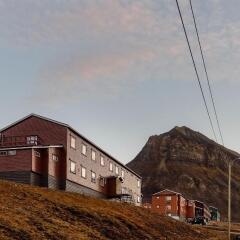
[
  {"x": 167, "y": 190},
  {"x": 72, "y": 129}
]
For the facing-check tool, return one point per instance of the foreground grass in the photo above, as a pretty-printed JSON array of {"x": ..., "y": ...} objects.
[{"x": 36, "y": 213}]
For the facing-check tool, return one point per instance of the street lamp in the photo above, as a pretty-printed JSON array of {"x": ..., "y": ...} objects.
[{"x": 230, "y": 164}]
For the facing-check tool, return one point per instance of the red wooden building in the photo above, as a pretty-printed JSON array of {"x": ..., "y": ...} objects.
[
  {"x": 169, "y": 203},
  {"x": 40, "y": 151}
]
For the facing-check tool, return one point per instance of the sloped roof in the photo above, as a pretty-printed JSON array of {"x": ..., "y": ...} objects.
[
  {"x": 165, "y": 191},
  {"x": 72, "y": 129}
]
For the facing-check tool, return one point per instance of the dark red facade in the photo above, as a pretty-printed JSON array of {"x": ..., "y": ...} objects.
[{"x": 38, "y": 151}]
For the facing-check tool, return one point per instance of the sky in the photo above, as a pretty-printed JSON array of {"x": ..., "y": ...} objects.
[{"x": 119, "y": 71}]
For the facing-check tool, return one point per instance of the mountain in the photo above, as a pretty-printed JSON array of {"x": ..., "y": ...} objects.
[
  {"x": 32, "y": 213},
  {"x": 186, "y": 161}
]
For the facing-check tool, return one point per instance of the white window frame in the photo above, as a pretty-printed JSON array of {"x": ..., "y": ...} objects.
[
  {"x": 72, "y": 142},
  {"x": 122, "y": 173},
  {"x": 93, "y": 155},
  {"x": 54, "y": 157},
  {"x": 93, "y": 177},
  {"x": 32, "y": 140},
  {"x": 83, "y": 172},
  {"x": 12, "y": 152},
  {"x": 102, "y": 162},
  {"x": 73, "y": 167},
  {"x": 169, "y": 207},
  {"x": 117, "y": 170},
  {"x": 3, "y": 153},
  {"x": 102, "y": 181},
  {"x": 110, "y": 166},
  {"x": 168, "y": 198},
  {"x": 138, "y": 183},
  {"x": 37, "y": 154},
  {"x": 84, "y": 149}
]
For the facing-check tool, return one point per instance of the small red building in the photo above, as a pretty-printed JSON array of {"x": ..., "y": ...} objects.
[{"x": 169, "y": 203}]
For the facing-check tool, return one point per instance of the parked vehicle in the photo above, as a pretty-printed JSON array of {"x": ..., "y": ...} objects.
[{"x": 199, "y": 220}]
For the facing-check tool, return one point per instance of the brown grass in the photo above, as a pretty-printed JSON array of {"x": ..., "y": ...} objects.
[{"x": 36, "y": 213}]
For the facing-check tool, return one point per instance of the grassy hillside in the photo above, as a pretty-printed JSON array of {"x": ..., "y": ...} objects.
[{"x": 37, "y": 213}]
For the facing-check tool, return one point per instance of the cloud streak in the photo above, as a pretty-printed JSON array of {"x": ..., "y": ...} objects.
[{"x": 101, "y": 44}]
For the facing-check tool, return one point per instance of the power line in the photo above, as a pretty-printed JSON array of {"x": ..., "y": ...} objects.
[
  {"x": 205, "y": 69},
  {"x": 195, "y": 68}
]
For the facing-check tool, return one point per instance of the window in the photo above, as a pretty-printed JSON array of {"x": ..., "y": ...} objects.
[
  {"x": 102, "y": 161},
  {"x": 168, "y": 207},
  {"x": 138, "y": 199},
  {"x": 12, "y": 152},
  {"x": 117, "y": 170},
  {"x": 102, "y": 181},
  {"x": 93, "y": 177},
  {"x": 138, "y": 183},
  {"x": 3, "y": 153},
  {"x": 83, "y": 172},
  {"x": 72, "y": 167},
  {"x": 37, "y": 154},
  {"x": 73, "y": 142},
  {"x": 110, "y": 166},
  {"x": 32, "y": 140},
  {"x": 122, "y": 173},
  {"x": 157, "y": 206},
  {"x": 93, "y": 155},
  {"x": 54, "y": 157},
  {"x": 168, "y": 198},
  {"x": 84, "y": 149}
]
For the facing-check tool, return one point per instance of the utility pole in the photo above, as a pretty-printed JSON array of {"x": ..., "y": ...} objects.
[
  {"x": 230, "y": 164},
  {"x": 229, "y": 199}
]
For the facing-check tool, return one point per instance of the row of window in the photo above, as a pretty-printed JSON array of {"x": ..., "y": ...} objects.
[
  {"x": 93, "y": 157},
  {"x": 168, "y": 207},
  {"x": 84, "y": 151},
  {"x": 38, "y": 155},
  {"x": 167, "y": 198},
  {"x": 73, "y": 169},
  {"x": 84, "y": 173},
  {"x": 8, "y": 153}
]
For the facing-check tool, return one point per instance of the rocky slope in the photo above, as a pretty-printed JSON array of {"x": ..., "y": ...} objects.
[
  {"x": 32, "y": 213},
  {"x": 188, "y": 162}
]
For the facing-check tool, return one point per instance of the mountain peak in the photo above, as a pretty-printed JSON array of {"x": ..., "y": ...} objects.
[{"x": 182, "y": 130}]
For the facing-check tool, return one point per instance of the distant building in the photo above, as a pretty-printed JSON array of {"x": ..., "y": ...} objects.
[
  {"x": 215, "y": 214},
  {"x": 173, "y": 204},
  {"x": 197, "y": 209},
  {"x": 202, "y": 210},
  {"x": 169, "y": 203},
  {"x": 43, "y": 152}
]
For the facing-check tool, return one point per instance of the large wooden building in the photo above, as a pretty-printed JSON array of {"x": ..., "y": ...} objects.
[{"x": 43, "y": 152}]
